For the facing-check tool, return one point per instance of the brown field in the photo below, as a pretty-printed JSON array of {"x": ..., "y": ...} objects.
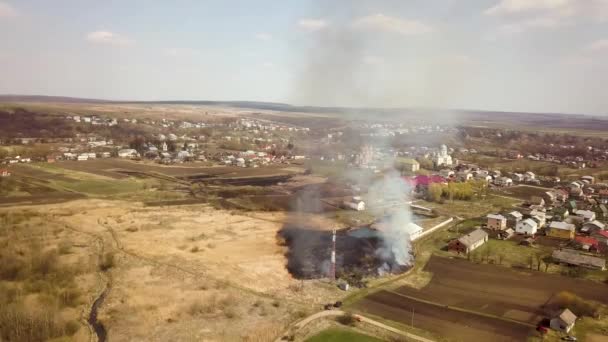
[
  {"x": 524, "y": 192},
  {"x": 493, "y": 295},
  {"x": 115, "y": 168}
]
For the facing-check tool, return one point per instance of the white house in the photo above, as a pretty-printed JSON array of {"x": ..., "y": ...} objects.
[
  {"x": 503, "y": 181},
  {"x": 240, "y": 162},
  {"x": 83, "y": 157},
  {"x": 529, "y": 176},
  {"x": 564, "y": 321},
  {"x": 127, "y": 153},
  {"x": 183, "y": 155},
  {"x": 355, "y": 204},
  {"x": 586, "y": 215},
  {"x": 518, "y": 177},
  {"x": 526, "y": 227},
  {"x": 414, "y": 231}
]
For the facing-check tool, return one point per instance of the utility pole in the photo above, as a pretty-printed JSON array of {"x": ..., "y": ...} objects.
[
  {"x": 412, "y": 317},
  {"x": 332, "y": 271}
]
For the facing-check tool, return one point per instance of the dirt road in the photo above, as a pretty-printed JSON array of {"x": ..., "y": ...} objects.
[{"x": 335, "y": 313}]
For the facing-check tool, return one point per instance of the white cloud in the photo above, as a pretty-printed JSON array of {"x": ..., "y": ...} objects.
[
  {"x": 107, "y": 37},
  {"x": 268, "y": 65},
  {"x": 581, "y": 9},
  {"x": 6, "y": 10},
  {"x": 263, "y": 36},
  {"x": 384, "y": 23},
  {"x": 533, "y": 23},
  {"x": 598, "y": 46},
  {"x": 521, "y": 6},
  {"x": 312, "y": 24},
  {"x": 525, "y": 15}
]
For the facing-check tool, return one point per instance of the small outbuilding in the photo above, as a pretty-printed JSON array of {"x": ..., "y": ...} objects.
[
  {"x": 468, "y": 243},
  {"x": 574, "y": 258},
  {"x": 564, "y": 321}
]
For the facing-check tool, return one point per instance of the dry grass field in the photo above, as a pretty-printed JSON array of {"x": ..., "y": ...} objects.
[{"x": 184, "y": 273}]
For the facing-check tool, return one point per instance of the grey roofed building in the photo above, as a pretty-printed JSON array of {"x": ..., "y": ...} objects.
[
  {"x": 562, "y": 225},
  {"x": 473, "y": 238},
  {"x": 595, "y": 224},
  {"x": 571, "y": 257}
]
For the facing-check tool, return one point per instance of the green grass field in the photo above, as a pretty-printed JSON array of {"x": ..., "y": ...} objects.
[{"x": 342, "y": 335}]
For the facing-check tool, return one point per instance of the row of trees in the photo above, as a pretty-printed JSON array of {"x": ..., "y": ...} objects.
[{"x": 465, "y": 191}]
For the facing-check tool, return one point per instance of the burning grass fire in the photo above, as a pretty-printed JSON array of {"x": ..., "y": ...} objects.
[
  {"x": 359, "y": 252},
  {"x": 384, "y": 247}
]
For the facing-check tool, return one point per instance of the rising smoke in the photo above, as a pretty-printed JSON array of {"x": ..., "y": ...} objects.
[{"x": 388, "y": 197}]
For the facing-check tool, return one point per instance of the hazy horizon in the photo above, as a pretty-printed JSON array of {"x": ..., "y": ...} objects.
[{"x": 544, "y": 56}]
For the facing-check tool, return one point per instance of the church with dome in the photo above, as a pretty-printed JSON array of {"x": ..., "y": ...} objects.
[{"x": 442, "y": 158}]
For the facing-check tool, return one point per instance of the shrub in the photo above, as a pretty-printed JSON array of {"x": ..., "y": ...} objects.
[
  {"x": 71, "y": 327},
  {"x": 578, "y": 306},
  {"x": 347, "y": 319},
  {"x": 64, "y": 247},
  {"x": 107, "y": 261},
  {"x": 70, "y": 297},
  {"x": 194, "y": 249}
]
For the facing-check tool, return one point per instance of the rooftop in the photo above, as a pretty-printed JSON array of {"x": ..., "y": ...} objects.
[{"x": 473, "y": 237}]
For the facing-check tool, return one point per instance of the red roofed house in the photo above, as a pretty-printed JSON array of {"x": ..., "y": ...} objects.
[
  {"x": 601, "y": 236},
  {"x": 4, "y": 173},
  {"x": 603, "y": 194},
  {"x": 423, "y": 180},
  {"x": 588, "y": 243}
]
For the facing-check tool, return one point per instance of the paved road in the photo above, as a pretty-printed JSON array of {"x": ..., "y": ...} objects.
[{"x": 333, "y": 313}]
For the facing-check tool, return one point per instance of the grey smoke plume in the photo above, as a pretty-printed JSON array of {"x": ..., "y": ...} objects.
[{"x": 388, "y": 198}]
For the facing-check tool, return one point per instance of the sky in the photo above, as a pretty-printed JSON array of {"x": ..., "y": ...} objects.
[{"x": 505, "y": 55}]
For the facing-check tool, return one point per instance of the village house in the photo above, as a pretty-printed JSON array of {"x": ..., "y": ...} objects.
[
  {"x": 563, "y": 322},
  {"x": 408, "y": 164},
  {"x": 529, "y": 176},
  {"x": 513, "y": 218},
  {"x": 573, "y": 258},
  {"x": 603, "y": 195},
  {"x": 537, "y": 200},
  {"x": 601, "y": 236},
  {"x": 4, "y": 173},
  {"x": 526, "y": 227},
  {"x": 496, "y": 222},
  {"x": 503, "y": 181},
  {"x": 560, "y": 213},
  {"x": 518, "y": 177},
  {"x": 561, "y": 230},
  {"x": 586, "y": 215},
  {"x": 128, "y": 153},
  {"x": 505, "y": 234},
  {"x": 588, "y": 243},
  {"x": 83, "y": 157},
  {"x": 468, "y": 243},
  {"x": 592, "y": 226},
  {"x": 355, "y": 203},
  {"x": 464, "y": 176}
]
